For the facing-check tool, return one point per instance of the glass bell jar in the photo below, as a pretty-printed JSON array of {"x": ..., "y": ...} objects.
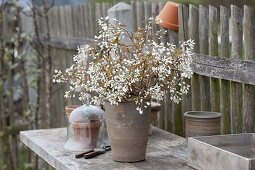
[{"x": 84, "y": 127}]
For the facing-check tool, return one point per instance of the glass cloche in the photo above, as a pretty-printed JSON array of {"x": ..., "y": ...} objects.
[{"x": 84, "y": 127}]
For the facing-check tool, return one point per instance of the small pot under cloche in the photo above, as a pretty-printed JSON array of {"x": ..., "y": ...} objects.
[{"x": 84, "y": 126}]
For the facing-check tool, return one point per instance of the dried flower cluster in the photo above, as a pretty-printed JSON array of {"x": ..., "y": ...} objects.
[{"x": 129, "y": 66}]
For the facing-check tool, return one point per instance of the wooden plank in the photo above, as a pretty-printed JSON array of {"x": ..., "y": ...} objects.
[
  {"x": 164, "y": 151},
  {"x": 242, "y": 71},
  {"x": 62, "y": 21},
  {"x": 91, "y": 17},
  {"x": 133, "y": 4},
  {"x": 213, "y": 51},
  {"x": 104, "y": 9},
  {"x": 194, "y": 34},
  {"x": 55, "y": 102},
  {"x": 147, "y": 10},
  {"x": 76, "y": 20},
  {"x": 140, "y": 13},
  {"x": 155, "y": 12},
  {"x": 98, "y": 15},
  {"x": 68, "y": 20},
  {"x": 82, "y": 29},
  {"x": 164, "y": 122},
  {"x": 183, "y": 19},
  {"x": 86, "y": 19},
  {"x": 236, "y": 52},
  {"x": 249, "y": 51},
  {"x": 225, "y": 84},
  {"x": 175, "y": 110},
  {"x": 67, "y": 42},
  {"x": 203, "y": 47}
]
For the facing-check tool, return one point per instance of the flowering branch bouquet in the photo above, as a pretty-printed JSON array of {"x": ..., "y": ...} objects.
[{"x": 125, "y": 66}]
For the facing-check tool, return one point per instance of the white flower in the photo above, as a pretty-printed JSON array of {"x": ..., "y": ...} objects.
[{"x": 142, "y": 69}]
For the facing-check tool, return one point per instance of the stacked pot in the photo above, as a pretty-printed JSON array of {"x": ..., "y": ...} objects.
[{"x": 83, "y": 129}]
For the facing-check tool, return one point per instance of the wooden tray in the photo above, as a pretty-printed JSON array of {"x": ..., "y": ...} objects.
[{"x": 222, "y": 152}]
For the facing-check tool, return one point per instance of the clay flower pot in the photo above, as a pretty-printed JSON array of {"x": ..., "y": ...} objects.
[
  {"x": 69, "y": 109},
  {"x": 202, "y": 123},
  {"x": 155, "y": 108},
  {"x": 168, "y": 16},
  {"x": 86, "y": 134},
  {"x": 128, "y": 131}
]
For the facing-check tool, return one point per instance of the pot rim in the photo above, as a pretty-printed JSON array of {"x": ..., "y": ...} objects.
[
  {"x": 163, "y": 23},
  {"x": 199, "y": 115},
  {"x": 95, "y": 124},
  {"x": 172, "y": 3},
  {"x": 70, "y": 108}
]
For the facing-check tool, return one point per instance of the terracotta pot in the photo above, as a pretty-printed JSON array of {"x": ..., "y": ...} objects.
[
  {"x": 128, "y": 131},
  {"x": 155, "y": 108},
  {"x": 202, "y": 123},
  {"x": 86, "y": 134},
  {"x": 69, "y": 109},
  {"x": 168, "y": 16}
]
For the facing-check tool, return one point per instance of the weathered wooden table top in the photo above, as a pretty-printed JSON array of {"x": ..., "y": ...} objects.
[{"x": 164, "y": 151}]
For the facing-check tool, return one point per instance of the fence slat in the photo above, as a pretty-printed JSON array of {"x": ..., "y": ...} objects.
[
  {"x": 147, "y": 10},
  {"x": 165, "y": 103},
  {"x": 225, "y": 84},
  {"x": 213, "y": 50},
  {"x": 203, "y": 47},
  {"x": 92, "y": 19},
  {"x": 133, "y": 4},
  {"x": 236, "y": 88},
  {"x": 183, "y": 15},
  {"x": 194, "y": 34},
  {"x": 98, "y": 15},
  {"x": 249, "y": 51},
  {"x": 68, "y": 19},
  {"x": 140, "y": 13},
  {"x": 155, "y": 11}
]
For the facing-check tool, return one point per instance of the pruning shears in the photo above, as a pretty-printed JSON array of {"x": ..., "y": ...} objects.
[{"x": 93, "y": 152}]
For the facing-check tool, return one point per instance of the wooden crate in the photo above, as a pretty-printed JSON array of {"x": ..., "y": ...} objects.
[{"x": 235, "y": 152}]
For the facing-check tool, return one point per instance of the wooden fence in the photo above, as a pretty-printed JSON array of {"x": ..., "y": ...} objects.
[{"x": 223, "y": 63}]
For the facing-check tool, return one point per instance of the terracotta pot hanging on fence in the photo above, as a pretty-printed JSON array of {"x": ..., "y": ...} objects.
[{"x": 168, "y": 16}]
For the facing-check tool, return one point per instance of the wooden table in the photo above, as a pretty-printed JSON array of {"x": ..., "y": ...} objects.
[{"x": 164, "y": 151}]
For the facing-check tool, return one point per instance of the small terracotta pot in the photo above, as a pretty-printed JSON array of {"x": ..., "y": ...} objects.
[
  {"x": 168, "y": 16},
  {"x": 155, "y": 108},
  {"x": 69, "y": 109},
  {"x": 87, "y": 133},
  {"x": 202, "y": 123}
]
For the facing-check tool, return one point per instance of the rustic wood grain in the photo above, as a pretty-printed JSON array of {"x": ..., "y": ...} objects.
[
  {"x": 98, "y": 15},
  {"x": 140, "y": 14},
  {"x": 230, "y": 69},
  {"x": 249, "y": 51},
  {"x": 164, "y": 151},
  {"x": 203, "y": 48},
  {"x": 155, "y": 12},
  {"x": 133, "y": 4},
  {"x": 194, "y": 34},
  {"x": 166, "y": 105},
  {"x": 183, "y": 19},
  {"x": 183, "y": 15},
  {"x": 225, "y": 84},
  {"x": 147, "y": 10},
  {"x": 236, "y": 52},
  {"x": 213, "y": 51}
]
